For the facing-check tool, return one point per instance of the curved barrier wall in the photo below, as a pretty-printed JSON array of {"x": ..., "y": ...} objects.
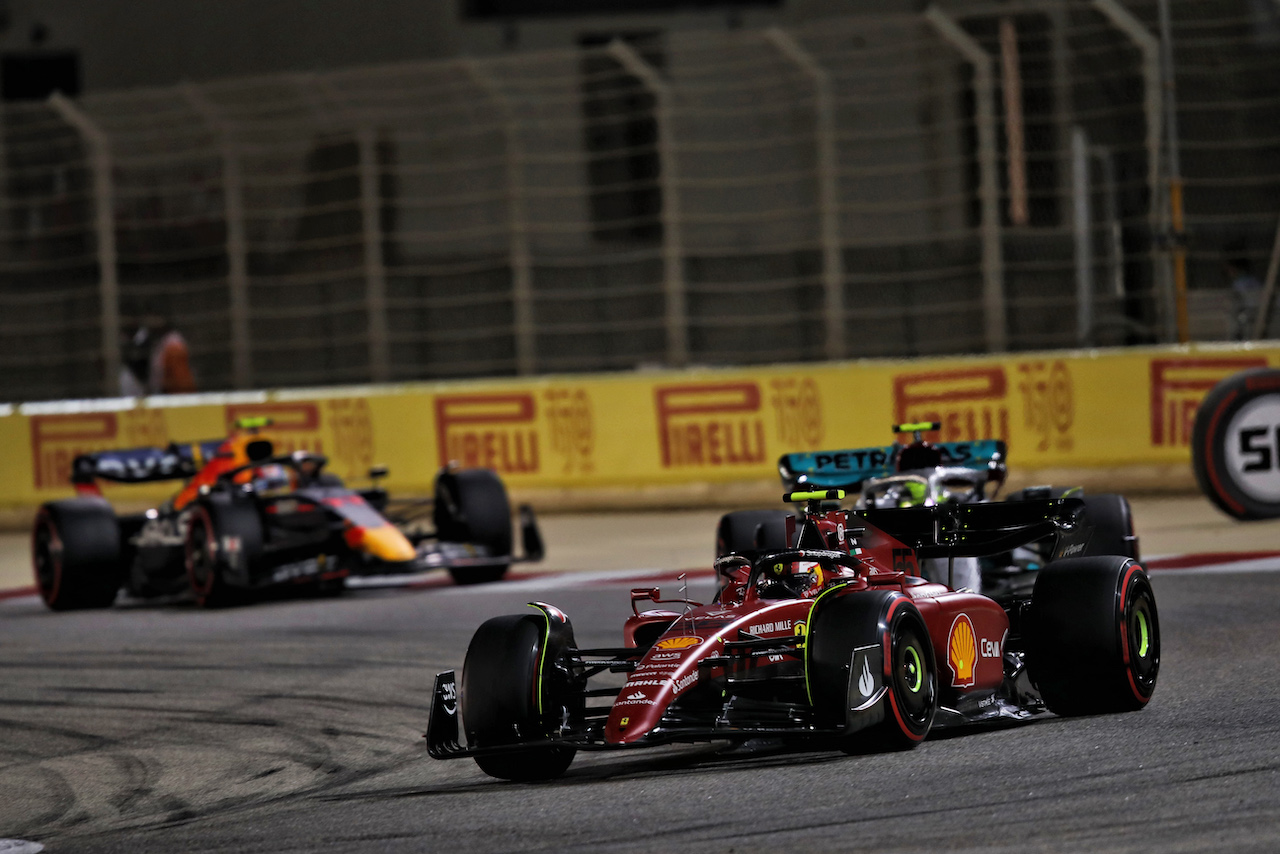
[{"x": 1098, "y": 409}]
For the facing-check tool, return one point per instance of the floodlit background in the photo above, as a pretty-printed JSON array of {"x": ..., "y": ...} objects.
[{"x": 321, "y": 193}]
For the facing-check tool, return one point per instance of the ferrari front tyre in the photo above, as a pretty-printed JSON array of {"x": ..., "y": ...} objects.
[
  {"x": 76, "y": 554},
  {"x": 913, "y": 681},
  {"x": 1093, "y": 636},
  {"x": 471, "y": 506},
  {"x": 843, "y": 636},
  {"x": 508, "y": 697}
]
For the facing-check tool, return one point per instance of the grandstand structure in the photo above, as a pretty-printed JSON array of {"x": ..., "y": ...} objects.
[{"x": 976, "y": 177}]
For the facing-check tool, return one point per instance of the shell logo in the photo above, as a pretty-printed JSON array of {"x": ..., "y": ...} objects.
[
  {"x": 677, "y": 643},
  {"x": 962, "y": 651}
]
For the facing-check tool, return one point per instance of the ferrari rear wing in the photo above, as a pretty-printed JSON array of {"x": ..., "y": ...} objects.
[
  {"x": 849, "y": 468},
  {"x": 143, "y": 465},
  {"x": 985, "y": 528}
]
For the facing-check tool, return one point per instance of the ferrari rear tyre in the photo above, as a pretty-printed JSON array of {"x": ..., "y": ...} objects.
[
  {"x": 471, "y": 506},
  {"x": 76, "y": 554},
  {"x": 508, "y": 697},
  {"x": 1093, "y": 636},
  {"x": 751, "y": 532}
]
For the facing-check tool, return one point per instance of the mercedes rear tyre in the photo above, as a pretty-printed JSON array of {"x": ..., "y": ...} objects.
[
  {"x": 471, "y": 506},
  {"x": 751, "y": 532},
  {"x": 510, "y": 694},
  {"x": 76, "y": 554},
  {"x": 1112, "y": 522},
  {"x": 1093, "y": 636}
]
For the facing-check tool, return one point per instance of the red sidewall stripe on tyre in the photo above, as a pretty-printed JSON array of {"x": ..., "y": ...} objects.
[
  {"x": 205, "y": 590},
  {"x": 1124, "y": 635},
  {"x": 51, "y": 595},
  {"x": 1210, "y": 457},
  {"x": 888, "y": 672}
]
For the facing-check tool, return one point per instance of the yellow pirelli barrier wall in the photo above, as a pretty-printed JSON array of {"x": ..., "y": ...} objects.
[{"x": 1075, "y": 410}]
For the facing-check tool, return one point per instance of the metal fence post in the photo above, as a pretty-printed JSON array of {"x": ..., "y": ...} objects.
[
  {"x": 677, "y": 316},
  {"x": 993, "y": 302},
  {"x": 105, "y": 228},
  {"x": 375, "y": 269},
  {"x": 1149, "y": 46},
  {"x": 521, "y": 256},
  {"x": 1082, "y": 223},
  {"x": 326, "y": 101},
  {"x": 237, "y": 241},
  {"x": 828, "y": 188}
]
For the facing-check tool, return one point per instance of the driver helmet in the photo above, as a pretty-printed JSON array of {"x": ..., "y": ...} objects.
[
  {"x": 271, "y": 477},
  {"x": 906, "y": 494},
  {"x": 800, "y": 579},
  {"x": 919, "y": 455}
]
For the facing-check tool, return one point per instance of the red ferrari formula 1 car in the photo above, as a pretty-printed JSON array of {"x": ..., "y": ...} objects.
[
  {"x": 835, "y": 640},
  {"x": 248, "y": 519}
]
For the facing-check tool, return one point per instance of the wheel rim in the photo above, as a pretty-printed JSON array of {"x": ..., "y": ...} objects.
[
  {"x": 913, "y": 684},
  {"x": 199, "y": 561},
  {"x": 1143, "y": 636},
  {"x": 913, "y": 670},
  {"x": 45, "y": 552}
]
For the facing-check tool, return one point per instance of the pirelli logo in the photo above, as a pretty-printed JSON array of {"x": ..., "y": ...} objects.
[
  {"x": 56, "y": 440},
  {"x": 1178, "y": 386},
  {"x": 710, "y": 424},
  {"x": 969, "y": 403},
  {"x": 495, "y": 431},
  {"x": 294, "y": 426}
]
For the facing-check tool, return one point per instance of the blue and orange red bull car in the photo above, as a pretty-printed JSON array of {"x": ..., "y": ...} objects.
[
  {"x": 834, "y": 640},
  {"x": 249, "y": 519}
]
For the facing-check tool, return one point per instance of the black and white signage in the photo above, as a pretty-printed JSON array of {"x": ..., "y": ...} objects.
[{"x": 1235, "y": 444}]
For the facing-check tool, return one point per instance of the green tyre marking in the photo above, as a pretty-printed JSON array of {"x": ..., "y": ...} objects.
[
  {"x": 1144, "y": 637},
  {"x": 915, "y": 671}
]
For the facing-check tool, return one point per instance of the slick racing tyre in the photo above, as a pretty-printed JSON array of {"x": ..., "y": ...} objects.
[
  {"x": 1235, "y": 445},
  {"x": 76, "y": 553},
  {"x": 224, "y": 542},
  {"x": 471, "y": 506},
  {"x": 751, "y": 532},
  {"x": 1093, "y": 636},
  {"x": 511, "y": 693},
  {"x": 1112, "y": 523},
  {"x": 847, "y": 656}
]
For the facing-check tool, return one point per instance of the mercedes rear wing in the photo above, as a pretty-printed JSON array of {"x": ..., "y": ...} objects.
[{"x": 849, "y": 468}]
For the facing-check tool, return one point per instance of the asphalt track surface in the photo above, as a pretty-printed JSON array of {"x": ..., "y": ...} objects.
[{"x": 296, "y": 726}]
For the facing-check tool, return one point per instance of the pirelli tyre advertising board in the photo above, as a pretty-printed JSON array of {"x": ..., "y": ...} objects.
[{"x": 1091, "y": 409}]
